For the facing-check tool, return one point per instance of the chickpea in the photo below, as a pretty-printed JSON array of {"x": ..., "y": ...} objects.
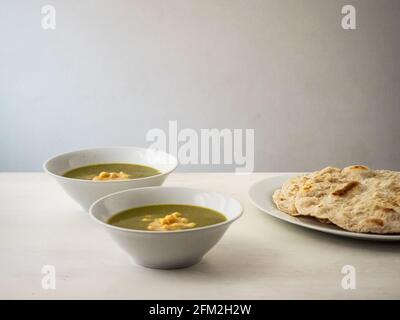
[{"x": 173, "y": 221}]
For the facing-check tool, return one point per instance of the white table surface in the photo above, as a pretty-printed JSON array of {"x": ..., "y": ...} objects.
[{"x": 259, "y": 257}]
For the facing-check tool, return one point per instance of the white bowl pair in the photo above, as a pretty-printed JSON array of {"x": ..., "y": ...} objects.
[{"x": 155, "y": 249}]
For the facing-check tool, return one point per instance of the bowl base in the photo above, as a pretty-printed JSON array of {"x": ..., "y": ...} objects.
[{"x": 186, "y": 264}]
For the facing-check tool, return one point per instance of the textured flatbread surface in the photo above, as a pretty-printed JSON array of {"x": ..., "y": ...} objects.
[
  {"x": 356, "y": 198},
  {"x": 284, "y": 197},
  {"x": 372, "y": 206},
  {"x": 308, "y": 199}
]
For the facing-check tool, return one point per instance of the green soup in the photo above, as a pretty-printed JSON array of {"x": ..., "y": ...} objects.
[
  {"x": 133, "y": 218},
  {"x": 89, "y": 172}
]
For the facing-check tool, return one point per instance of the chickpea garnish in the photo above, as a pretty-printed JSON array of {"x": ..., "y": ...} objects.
[
  {"x": 111, "y": 176},
  {"x": 173, "y": 221}
]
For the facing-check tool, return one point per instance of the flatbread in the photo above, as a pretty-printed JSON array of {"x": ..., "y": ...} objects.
[
  {"x": 285, "y": 196},
  {"x": 371, "y": 206},
  {"x": 308, "y": 199},
  {"x": 356, "y": 198}
]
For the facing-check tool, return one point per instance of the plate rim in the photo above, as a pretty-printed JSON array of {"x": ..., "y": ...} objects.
[{"x": 290, "y": 219}]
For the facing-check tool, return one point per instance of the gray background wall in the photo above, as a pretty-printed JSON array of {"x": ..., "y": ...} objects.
[{"x": 314, "y": 93}]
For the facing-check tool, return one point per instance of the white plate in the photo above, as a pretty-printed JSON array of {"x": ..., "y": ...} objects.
[{"x": 261, "y": 196}]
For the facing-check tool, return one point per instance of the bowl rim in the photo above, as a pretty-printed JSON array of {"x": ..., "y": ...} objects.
[
  {"x": 165, "y": 233},
  {"x": 46, "y": 170}
]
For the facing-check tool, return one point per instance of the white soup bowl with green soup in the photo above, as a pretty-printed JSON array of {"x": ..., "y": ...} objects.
[
  {"x": 87, "y": 175},
  {"x": 166, "y": 227}
]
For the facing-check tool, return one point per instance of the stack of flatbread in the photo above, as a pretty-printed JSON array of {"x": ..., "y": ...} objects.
[{"x": 356, "y": 198}]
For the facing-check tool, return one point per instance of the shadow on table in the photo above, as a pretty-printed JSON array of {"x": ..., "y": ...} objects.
[
  {"x": 331, "y": 239},
  {"x": 228, "y": 265}
]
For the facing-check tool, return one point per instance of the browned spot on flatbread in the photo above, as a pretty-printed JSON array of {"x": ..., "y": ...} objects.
[
  {"x": 345, "y": 189},
  {"x": 358, "y": 167},
  {"x": 378, "y": 222}
]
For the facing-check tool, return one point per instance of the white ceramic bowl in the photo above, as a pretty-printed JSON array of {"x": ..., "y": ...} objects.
[
  {"x": 85, "y": 192},
  {"x": 166, "y": 249}
]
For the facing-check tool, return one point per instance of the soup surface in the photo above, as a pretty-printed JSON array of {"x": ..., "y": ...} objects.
[
  {"x": 121, "y": 171},
  {"x": 166, "y": 217}
]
